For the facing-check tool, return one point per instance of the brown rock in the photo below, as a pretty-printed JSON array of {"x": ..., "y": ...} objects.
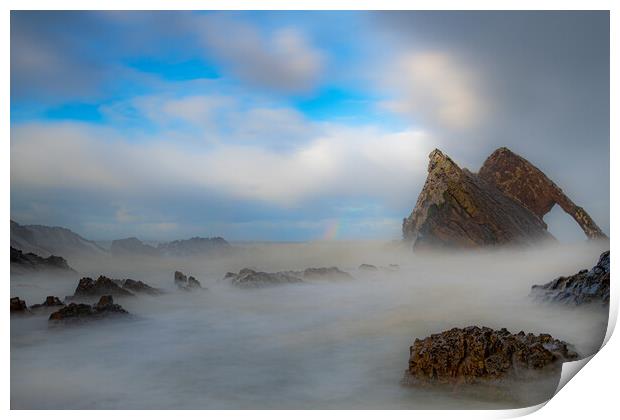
[
  {"x": 50, "y": 302},
  {"x": 90, "y": 288},
  {"x": 586, "y": 286},
  {"x": 518, "y": 178},
  {"x": 18, "y": 306},
  {"x": 78, "y": 312},
  {"x": 458, "y": 208},
  {"x": 475, "y": 354}
]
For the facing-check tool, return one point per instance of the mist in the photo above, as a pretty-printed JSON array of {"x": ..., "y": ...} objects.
[{"x": 316, "y": 345}]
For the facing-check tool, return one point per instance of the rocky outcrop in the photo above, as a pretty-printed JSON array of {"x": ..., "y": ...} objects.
[
  {"x": 184, "y": 282},
  {"x": 52, "y": 240},
  {"x": 475, "y": 354},
  {"x": 586, "y": 286},
  {"x": 18, "y": 306},
  {"x": 325, "y": 273},
  {"x": 89, "y": 288},
  {"x": 78, "y": 312},
  {"x": 137, "y": 286},
  {"x": 50, "y": 303},
  {"x": 132, "y": 247},
  {"x": 248, "y": 278},
  {"x": 460, "y": 209},
  {"x": 194, "y": 247},
  {"x": 28, "y": 262},
  {"x": 519, "y": 179}
]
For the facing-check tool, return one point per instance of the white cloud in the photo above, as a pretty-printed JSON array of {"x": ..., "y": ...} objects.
[
  {"x": 342, "y": 161},
  {"x": 283, "y": 60},
  {"x": 435, "y": 87}
]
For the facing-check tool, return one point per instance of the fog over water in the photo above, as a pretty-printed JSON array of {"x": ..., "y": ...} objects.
[{"x": 322, "y": 344}]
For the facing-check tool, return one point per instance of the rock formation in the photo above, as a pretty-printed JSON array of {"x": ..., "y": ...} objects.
[
  {"x": 586, "y": 286},
  {"x": 51, "y": 302},
  {"x": 519, "y": 179},
  {"x": 503, "y": 204},
  {"x": 28, "y": 262},
  {"x": 89, "y": 288},
  {"x": 76, "y": 312},
  {"x": 247, "y": 278},
  {"x": 138, "y": 286},
  {"x": 18, "y": 306},
  {"x": 131, "y": 247},
  {"x": 474, "y": 354},
  {"x": 186, "y": 283},
  {"x": 368, "y": 267},
  {"x": 325, "y": 273}
]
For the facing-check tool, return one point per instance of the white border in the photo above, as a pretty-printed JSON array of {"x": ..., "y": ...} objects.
[{"x": 593, "y": 394}]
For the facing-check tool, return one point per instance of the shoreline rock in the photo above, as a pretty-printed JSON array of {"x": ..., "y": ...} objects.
[
  {"x": 186, "y": 283},
  {"x": 80, "y": 312},
  {"x": 22, "y": 262},
  {"x": 586, "y": 286},
  {"x": 478, "y": 354}
]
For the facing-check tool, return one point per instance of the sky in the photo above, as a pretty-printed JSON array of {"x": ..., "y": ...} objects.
[{"x": 292, "y": 126}]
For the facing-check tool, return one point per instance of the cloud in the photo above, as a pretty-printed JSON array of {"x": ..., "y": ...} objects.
[
  {"x": 283, "y": 60},
  {"x": 434, "y": 87},
  {"x": 341, "y": 162}
]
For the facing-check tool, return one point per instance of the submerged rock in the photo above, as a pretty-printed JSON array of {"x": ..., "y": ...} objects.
[
  {"x": 51, "y": 302},
  {"x": 186, "y": 283},
  {"x": 503, "y": 204},
  {"x": 475, "y": 354},
  {"x": 326, "y": 273},
  {"x": 586, "y": 286},
  {"x": 248, "y": 278},
  {"x": 76, "y": 312},
  {"x": 27, "y": 262},
  {"x": 18, "y": 306}
]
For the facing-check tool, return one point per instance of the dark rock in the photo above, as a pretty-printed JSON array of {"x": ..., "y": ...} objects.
[
  {"x": 102, "y": 286},
  {"x": 18, "y": 306},
  {"x": 474, "y": 354},
  {"x": 248, "y": 278},
  {"x": 368, "y": 267},
  {"x": 132, "y": 247},
  {"x": 186, "y": 283},
  {"x": 28, "y": 262},
  {"x": 51, "y": 302},
  {"x": 77, "y": 312},
  {"x": 460, "y": 209},
  {"x": 586, "y": 286},
  {"x": 139, "y": 287},
  {"x": 326, "y": 273}
]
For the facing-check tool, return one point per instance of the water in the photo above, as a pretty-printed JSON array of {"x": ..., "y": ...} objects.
[{"x": 328, "y": 344}]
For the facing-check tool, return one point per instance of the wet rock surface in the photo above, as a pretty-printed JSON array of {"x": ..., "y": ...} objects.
[
  {"x": 27, "y": 262},
  {"x": 248, "y": 278},
  {"x": 586, "y": 286},
  {"x": 18, "y": 306},
  {"x": 78, "y": 312},
  {"x": 503, "y": 204},
  {"x": 184, "y": 282},
  {"x": 478, "y": 354}
]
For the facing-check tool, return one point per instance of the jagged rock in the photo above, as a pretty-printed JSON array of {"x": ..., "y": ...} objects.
[
  {"x": 458, "y": 208},
  {"x": 51, "y": 302},
  {"x": 326, "y": 273},
  {"x": 75, "y": 312},
  {"x": 18, "y": 306},
  {"x": 88, "y": 287},
  {"x": 474, "y": 354},
  {"x": 27, "y": 262},
  {"x": 186, "y": 283},
  {"x": 368, "y": 267},
  {"x": 248, "y": 278},
  {"x": 132, "y": 247},
  {"x": 138, "y": 286},
  {"x": 586, "y": 286},
  {"x": 519, "y": 179}
]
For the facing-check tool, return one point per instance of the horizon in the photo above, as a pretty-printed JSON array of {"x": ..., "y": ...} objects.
[{"x": 294, "y": 126}]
